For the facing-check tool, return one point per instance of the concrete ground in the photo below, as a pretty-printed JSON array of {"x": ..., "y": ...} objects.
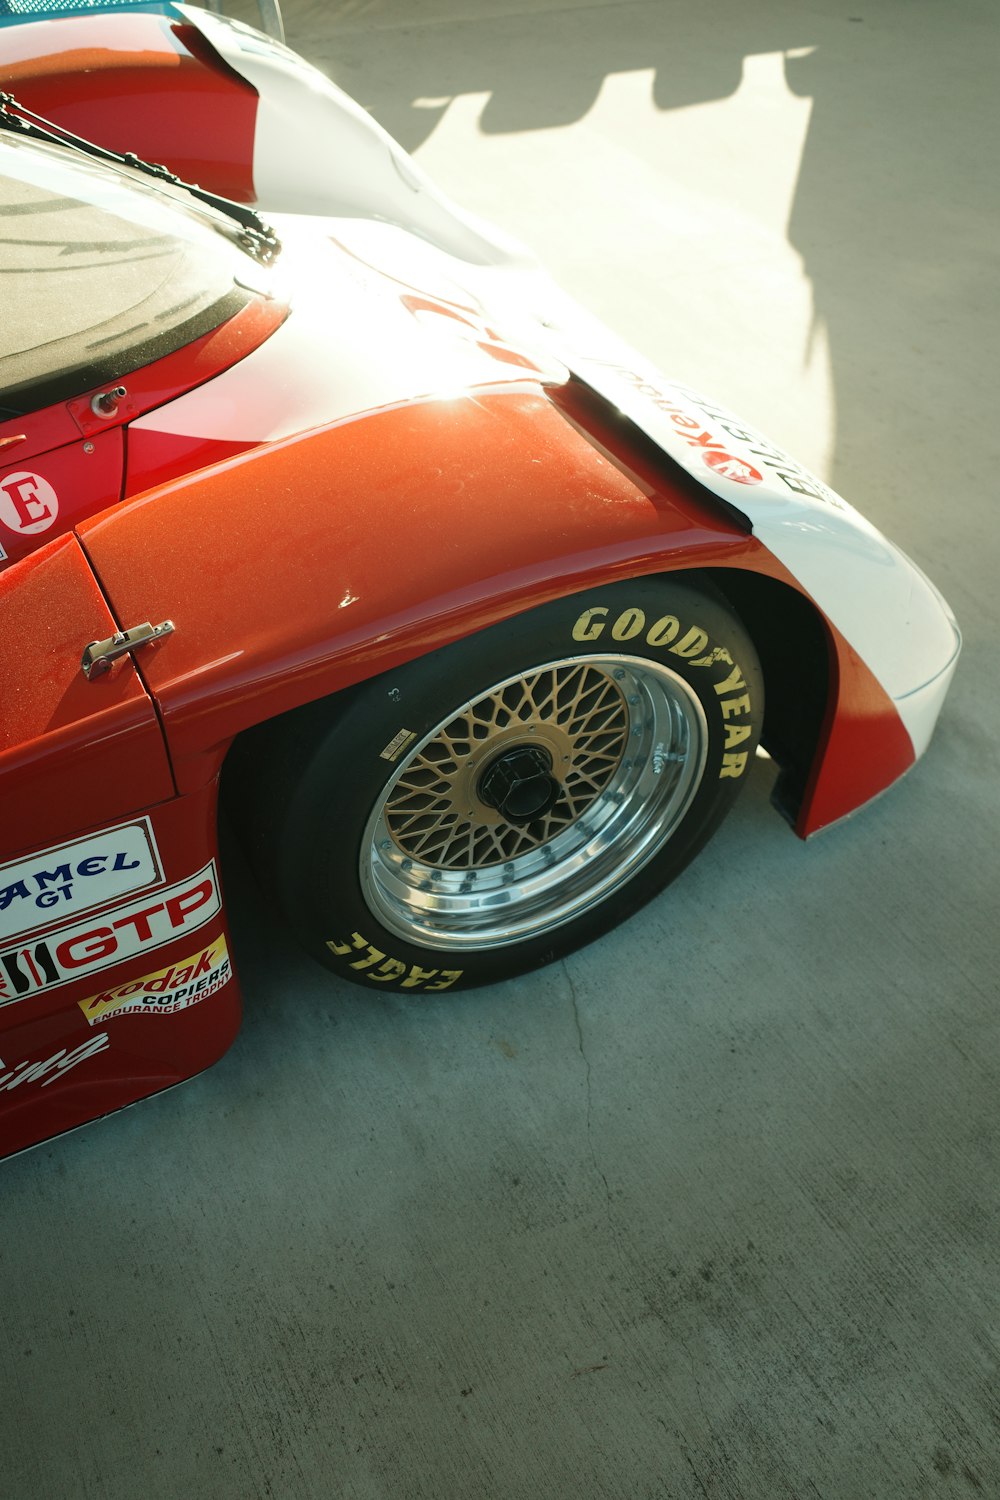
[{"x": 711, "y": 1210}]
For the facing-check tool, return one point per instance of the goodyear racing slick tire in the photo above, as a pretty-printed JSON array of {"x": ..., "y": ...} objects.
[{"x": 490, "y": 807}]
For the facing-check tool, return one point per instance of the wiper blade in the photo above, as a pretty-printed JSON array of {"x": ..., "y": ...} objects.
[{"x": 257, "y": 238}]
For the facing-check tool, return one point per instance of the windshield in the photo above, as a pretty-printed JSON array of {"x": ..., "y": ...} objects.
[{"x": 100, "y": 275}]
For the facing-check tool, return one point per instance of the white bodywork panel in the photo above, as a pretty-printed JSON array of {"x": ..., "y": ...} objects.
[
  {"x": 881, "y": 603},
  {"x": 318, "y": 152},
  {"x": 354, "y": 343}
]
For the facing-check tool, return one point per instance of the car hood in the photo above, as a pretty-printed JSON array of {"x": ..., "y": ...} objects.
[{"x": 361, "y": 337}]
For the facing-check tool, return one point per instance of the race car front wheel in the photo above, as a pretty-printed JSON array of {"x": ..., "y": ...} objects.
[{"x": 491, "y": 807}]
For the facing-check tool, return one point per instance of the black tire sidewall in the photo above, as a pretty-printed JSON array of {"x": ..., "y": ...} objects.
[{"x": 335, "y": 775}]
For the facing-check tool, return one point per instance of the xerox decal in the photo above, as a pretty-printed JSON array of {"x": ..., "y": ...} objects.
[
  {"x": 77, "y": 877},
  {"x": 691, "y": 424},
  {"x": 175, "y": 987},
  {"x": 100, "y": 942}
]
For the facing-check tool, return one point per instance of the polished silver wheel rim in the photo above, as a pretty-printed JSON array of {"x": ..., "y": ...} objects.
[{"x": 624, "y": 740}]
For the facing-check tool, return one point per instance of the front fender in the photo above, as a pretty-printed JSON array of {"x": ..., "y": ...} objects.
[{"x": 304, "y": 566}]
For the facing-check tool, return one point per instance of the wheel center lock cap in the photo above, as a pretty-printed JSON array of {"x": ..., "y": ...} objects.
[{"x": 518, "y": 784}]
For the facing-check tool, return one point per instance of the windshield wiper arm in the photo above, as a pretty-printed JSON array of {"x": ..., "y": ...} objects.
[{"x": 257, "y": 238}]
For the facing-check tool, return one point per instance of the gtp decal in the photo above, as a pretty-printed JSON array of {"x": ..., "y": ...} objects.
[
  {"x": 50, "y": 1069},
  {"x": 72, "y": 878},
  {"x": 692, "y": 645},
  {"x": 177, "y": 987},
  {"x": 374, "y": 964},
  {"x": 28, "y": 503},
  {"x": 88, "y": 946}
]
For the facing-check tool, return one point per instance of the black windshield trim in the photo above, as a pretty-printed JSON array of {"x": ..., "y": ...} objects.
[{"x": 35, "y": 395}]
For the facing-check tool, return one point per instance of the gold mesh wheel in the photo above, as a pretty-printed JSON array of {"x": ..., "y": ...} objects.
[
  {"x": 573, "y": 712},
  {"x": 446, "y": 865}
]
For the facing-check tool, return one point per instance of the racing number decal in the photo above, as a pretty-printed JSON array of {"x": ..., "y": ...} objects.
[
  {"x": 374, "y": 964},
  {"x": 693, "y": 646},
  {"x": 28, "y": 503}
]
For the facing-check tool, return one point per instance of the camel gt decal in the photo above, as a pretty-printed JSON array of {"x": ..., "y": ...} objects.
[
  {"x": 102, "y": 941},
  {"x": 77, "y": 877}
]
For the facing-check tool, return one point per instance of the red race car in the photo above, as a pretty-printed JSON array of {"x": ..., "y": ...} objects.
[{"x": 340, "y": 503}]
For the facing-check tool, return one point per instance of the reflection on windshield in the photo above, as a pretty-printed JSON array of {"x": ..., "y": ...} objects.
[{"x": 98, "y": 275}]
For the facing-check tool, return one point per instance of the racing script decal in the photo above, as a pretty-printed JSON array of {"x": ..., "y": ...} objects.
[{"x": 49, "y": 1069}]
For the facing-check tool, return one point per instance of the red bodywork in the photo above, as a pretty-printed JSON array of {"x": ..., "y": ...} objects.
[
  {"x": 140, "y": 83},
  {"x": 518, "y": 508},
  {"x": 79, "y": 454},
  {"x": 291, "y": 569}
]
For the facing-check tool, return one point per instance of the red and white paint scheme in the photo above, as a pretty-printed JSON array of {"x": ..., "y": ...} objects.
[{"x": 408, "y": 430}]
